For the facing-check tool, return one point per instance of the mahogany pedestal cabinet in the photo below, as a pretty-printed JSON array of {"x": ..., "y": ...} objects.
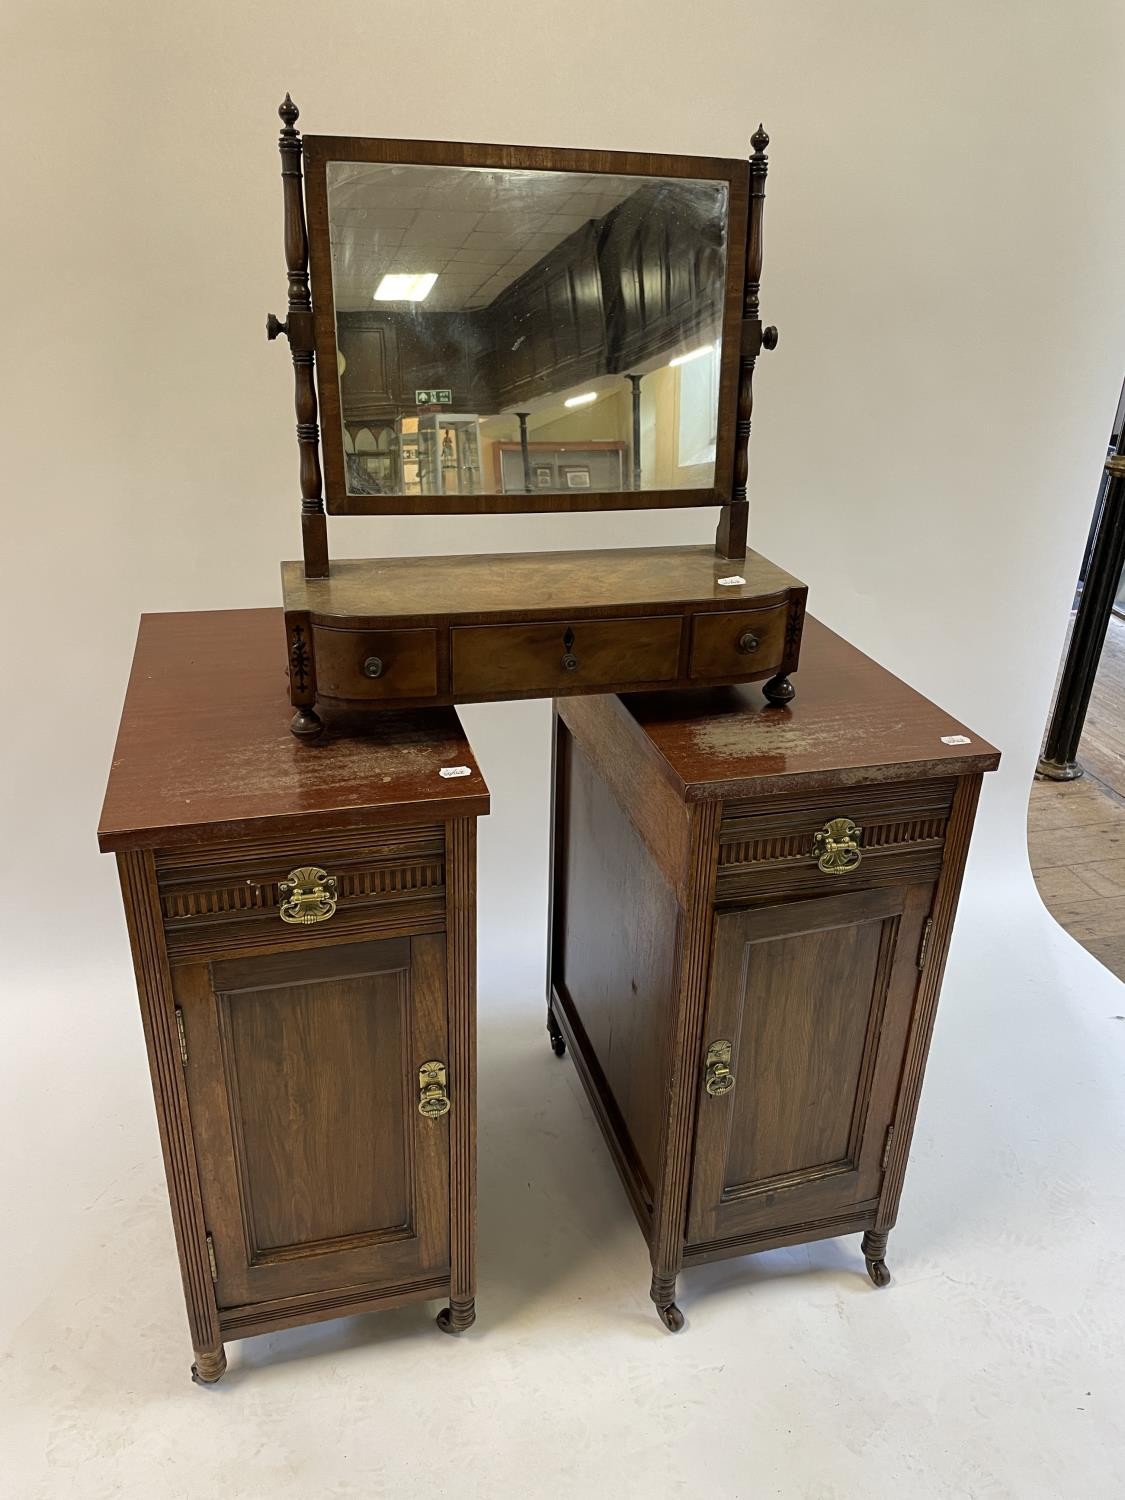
[
  {"x": 303, "y": 933},
  {"x": 751, "y": 911}
]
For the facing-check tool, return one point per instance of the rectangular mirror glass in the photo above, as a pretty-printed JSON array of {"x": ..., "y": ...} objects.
[{"x": 507, "y": 332}]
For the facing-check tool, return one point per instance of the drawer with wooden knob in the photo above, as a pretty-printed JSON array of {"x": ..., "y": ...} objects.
[
  {"x": 357, "y": 665},
  {"x": 557, "y": 656},
  {"x": 742, "y": 643}
]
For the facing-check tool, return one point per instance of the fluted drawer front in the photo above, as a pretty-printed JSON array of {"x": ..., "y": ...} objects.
[
  {"x": 245, "y": 898},
  {"x": 839, "y": 838}
]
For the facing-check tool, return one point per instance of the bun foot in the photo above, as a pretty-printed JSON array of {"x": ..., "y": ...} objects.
[
  {"x": 671, "y": 1316},
  {"x": 307, "y": 724},
  {"x": 210, "y": 1366},
  {"x": 457, "y": 1317},
  {"x": 558, "y": 1041},
  {"x": 779, "y": 691},
  {"x": 874, "y": 1249}
]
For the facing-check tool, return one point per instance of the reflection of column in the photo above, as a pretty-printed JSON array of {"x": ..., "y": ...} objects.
[
  {"x": 635, "y": 382},
  {"x": 523, "y": 416}
]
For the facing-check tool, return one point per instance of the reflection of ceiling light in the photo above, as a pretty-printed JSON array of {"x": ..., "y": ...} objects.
[
  {"x": 583, "y": 400},
  {"x": 405, "y": 288},
  {"x": 682, "y": 359}
]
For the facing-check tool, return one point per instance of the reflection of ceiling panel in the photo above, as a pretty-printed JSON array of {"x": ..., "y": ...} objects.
[{"x": 413, "y": 219}]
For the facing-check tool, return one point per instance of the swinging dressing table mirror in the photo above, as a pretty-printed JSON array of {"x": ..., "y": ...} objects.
[{"x": 501, "y": 329}]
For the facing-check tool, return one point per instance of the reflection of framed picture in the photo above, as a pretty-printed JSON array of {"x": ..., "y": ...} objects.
[
  {"x": 543, "y": 477},
  {"x": 577, "y": 479}
]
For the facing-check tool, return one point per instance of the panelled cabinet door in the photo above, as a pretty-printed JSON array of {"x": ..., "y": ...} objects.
[
  {"x": 814, "y": 998},
  {"x": 318, "y": 1169}
]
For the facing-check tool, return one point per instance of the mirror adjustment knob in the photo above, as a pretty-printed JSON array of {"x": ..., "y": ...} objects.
[
  {"x": 748, "y": 642},
  {"x": 373, "y": 666},
  {"x": 769, "y": 338},
  {"x": 274, "y": 326}
]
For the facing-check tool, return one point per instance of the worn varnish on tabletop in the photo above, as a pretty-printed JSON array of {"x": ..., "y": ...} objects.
[{"x": 204, "y": 746}]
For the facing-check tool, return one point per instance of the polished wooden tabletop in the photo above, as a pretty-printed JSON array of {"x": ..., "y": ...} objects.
[
  {"x": 851, "y": 721},
  {"x": 204, "y": 750}
]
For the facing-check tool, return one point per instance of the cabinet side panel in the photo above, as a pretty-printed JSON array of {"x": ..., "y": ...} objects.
[
  {"x": 154, "y": 989},
  {"x": 616, "y": 922}
]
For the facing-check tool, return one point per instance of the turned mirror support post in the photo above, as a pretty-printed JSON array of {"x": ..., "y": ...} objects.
[
  {"x": 298, "y": 329},
  {"x": 730, "y": 538},
  {"x": 635, "y": 382}
]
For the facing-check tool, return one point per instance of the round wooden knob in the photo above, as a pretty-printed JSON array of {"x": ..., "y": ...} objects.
[
  {"x": 274, "y": 326},
  {"x": 748, "y": 642},
  {"x": 373, "y": 666},
  {"x": 769, "y": 338}
]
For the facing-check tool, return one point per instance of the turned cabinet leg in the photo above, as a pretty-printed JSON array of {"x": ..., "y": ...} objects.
[
  {"x": 558, "y": 1041},
  {"x": 779, "y": 690},
  {"x": 307, "y": 724},
  {"x": 210, "y": 1365},
  {"x": 874, "y": 1249},
  {"x": 663, "y": 1293},
  {"x": 458, "y": 1316}
]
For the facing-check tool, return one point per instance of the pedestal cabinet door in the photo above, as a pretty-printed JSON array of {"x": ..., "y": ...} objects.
[
  {"x": 318, "y": 1170},
  {"x": 814, "y": 1000}
]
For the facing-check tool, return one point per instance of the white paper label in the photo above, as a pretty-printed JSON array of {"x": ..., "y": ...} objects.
[
  {"x": 448, "y": 771},
  {"x": 956, "y": 739},
  {"x": 732, "y": 582}
]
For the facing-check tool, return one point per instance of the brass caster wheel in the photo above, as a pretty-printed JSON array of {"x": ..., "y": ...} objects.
[
  {"x": 877, "y": 1270},
  {"x": 209, "y": 1368},
  {"x": 454, "y": 1320},
  {"x": 671, "y": 1317}
]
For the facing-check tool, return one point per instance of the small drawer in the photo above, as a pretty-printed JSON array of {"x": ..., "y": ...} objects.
[
  {"x": 738, "y": 644},
  {"x": 557, "y": 657},
  {"x": 361, "y": 664}
]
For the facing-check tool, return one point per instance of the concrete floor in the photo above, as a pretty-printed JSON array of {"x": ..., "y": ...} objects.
[{"x": 991, "y": 1367}]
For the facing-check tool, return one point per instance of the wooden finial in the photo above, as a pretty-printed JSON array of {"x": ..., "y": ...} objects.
[
  {"x": 289, "y": 113},
  {"x": 759, "y": 140}
]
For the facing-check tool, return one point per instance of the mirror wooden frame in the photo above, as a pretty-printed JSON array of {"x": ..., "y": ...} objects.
[{"x": 311, "y": 328}]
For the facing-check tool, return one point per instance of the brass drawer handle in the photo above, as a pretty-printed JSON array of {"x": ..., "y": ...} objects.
[
  {"x": 748, "y": 642},
  {"x": 307, "y": 896},
  {"x": 717, "y": 1076},
  {"x": 373, "y": 666},
  {"x": 836, "y": 847},
  {"x": 433, "y": 1095},
  {"x": 570, "y": 662}
]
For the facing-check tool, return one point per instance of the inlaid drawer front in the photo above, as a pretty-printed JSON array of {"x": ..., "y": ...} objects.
[
  {"x": 361, "y": 664},
  {"x": 819, "y": 841},
  {"x": 555, "y": 656},
  {"x": 739, "y": 643},
  {"x": 329, "y": 887}
]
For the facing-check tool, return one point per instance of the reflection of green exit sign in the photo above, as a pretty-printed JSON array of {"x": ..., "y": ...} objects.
[{"x": 433, "y": 398}]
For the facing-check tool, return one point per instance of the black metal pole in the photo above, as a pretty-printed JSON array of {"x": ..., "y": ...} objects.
[
  {"x": 1103, "y": 574},
  {"x": 523, "y": 416},
  {"x": 635, "y": 382}
]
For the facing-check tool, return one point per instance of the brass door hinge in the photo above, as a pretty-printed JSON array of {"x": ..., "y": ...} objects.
[
  {"x": 887, "y": 1148},
  {"x": 924, "y": 949},
  {"x": 180, "y": 1033},
  {"x": 211, "y": 1258}
]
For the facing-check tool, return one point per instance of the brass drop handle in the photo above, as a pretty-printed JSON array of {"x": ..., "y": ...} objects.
[
  {"x": 308, "y": 895},
  {"x": 748, "y": 642},
  {"x": 373, "y": 666},
  {"x": 717, "y": 1076},
  {"x": 836, "y": 847},
  {"x": 433, "y": 1095}
]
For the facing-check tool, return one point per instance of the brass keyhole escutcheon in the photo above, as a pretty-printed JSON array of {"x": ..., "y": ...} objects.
[
  {"x": 308, "y": 895},
  {"x": 836, "y": 846},
  {"x": 569, "y": 661},
  {"x": 373, "y": 666},
  {"x": 433, "y": 1095},
  {"x": 748, "y": 642},
  {"x": 717, "y": 1076}
]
